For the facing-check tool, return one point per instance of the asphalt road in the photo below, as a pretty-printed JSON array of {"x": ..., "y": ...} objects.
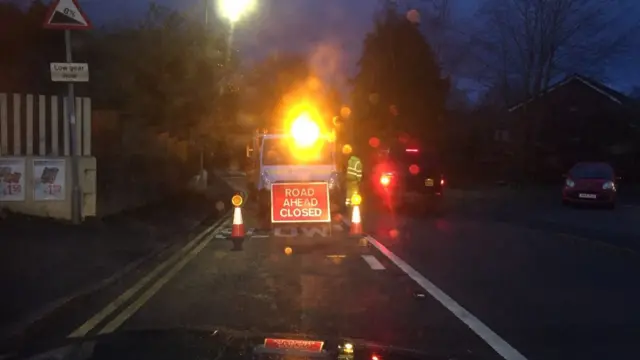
[
  {"x": 541, "y": 209},
  {"x": 460, "y": 284}
]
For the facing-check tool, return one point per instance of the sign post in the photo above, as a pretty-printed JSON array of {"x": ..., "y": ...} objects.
[{"x": 66, "y": 15}]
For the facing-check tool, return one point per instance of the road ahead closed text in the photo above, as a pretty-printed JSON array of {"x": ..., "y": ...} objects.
[{"x": 300, "y": 202}]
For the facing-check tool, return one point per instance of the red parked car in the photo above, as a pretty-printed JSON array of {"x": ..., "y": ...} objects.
[{"x": 590, "y": 183}]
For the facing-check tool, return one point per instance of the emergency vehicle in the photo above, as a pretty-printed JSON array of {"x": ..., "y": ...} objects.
[{"x": 294, "y": 173}]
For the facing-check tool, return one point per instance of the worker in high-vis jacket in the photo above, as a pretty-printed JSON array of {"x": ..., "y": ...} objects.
[{"x": 354, "y": 177}]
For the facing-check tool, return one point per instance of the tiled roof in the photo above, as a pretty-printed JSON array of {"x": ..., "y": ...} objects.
[{"x": 604, "y": 90}]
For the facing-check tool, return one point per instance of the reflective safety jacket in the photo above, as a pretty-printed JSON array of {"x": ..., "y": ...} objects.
[{"x": 354, "y": 169}]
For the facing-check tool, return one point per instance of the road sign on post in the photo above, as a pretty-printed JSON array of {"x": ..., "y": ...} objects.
[
  {"x": 66, "y": 15},
  {"x": 69, "y": 72}
]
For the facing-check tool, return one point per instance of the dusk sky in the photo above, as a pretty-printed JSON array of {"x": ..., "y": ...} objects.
[{"x": 331, "y": 30}]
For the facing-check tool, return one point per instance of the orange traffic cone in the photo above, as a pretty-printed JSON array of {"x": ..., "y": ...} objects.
[
  {"x": 237, "y": 228},
  {"x": 356, "y": 222}
]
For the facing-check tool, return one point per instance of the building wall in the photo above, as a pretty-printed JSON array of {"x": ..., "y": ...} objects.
[{"x": 572, "y": 123}]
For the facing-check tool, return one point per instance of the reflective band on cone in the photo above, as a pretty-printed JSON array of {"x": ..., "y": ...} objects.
[
  {"x": 237, "y": 229},
  {"x": 356, "y": 222}
]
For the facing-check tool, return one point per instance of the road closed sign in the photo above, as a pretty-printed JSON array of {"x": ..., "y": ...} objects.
[{"x": 300, "y": 203}]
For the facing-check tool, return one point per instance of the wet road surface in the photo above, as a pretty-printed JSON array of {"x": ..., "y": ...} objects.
[{"x": 449, "y": 285}]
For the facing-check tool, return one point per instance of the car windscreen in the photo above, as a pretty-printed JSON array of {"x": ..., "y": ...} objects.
[
  {"x": 591, "y": 171},
  {"x": 279, "y": 151}
]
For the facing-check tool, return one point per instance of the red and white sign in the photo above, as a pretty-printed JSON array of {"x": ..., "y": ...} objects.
[
  {"x": 66, "y": 15},
  {"x": 302, "y": 345},
  {"x": 300, "y": 203}
]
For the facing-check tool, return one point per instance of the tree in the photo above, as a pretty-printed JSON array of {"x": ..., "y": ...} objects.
[
  {"x": 523, "y": 45},
  {"x": 398, "y": 71},
  {"x": 281, "y": 82},
  {"x": 269, "y": 82},
  {"x": 166, "y": 72},
  {"x": 28, "y": 47}
]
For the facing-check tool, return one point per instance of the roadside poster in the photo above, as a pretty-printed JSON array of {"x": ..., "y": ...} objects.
[
  {"x": 12, "y": 179},
  {"x": 49, "y": 179},
  {"x": 300, "y": 203}
]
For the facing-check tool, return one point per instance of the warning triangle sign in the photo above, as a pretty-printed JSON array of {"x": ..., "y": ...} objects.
[{"x": 67, "y": 15}]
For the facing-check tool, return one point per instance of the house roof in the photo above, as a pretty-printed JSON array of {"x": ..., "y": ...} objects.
[{"x": 602, "y": 89}]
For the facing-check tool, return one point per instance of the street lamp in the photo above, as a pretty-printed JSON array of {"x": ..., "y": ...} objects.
[{"x": 233, "y": 10}]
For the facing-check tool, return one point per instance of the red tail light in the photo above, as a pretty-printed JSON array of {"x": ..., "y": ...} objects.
[
  {"x": 385, "y": 179},
  {"x": 442, "y": 182},
  {"x": 412, "y": 150}
]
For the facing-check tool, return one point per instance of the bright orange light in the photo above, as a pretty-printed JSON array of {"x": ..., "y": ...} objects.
[
  {"x": 236, "y": 200},
  {"x": 345, "y": 112},
  {"x": 304, "y": 130}
]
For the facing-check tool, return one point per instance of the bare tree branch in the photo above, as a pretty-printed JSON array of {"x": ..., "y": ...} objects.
[{"x": 524, "y": 44}]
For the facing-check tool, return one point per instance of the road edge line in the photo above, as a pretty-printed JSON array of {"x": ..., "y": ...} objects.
[
  {"x": 114, "y": 305},
  {"x": 478, "y": 327},
  {"x": 157, "y": 285},
  {"x": 498, "y": 344},
  {"x": 33, "y": 317}
]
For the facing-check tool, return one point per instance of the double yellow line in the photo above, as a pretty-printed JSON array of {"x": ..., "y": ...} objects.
[{"x": 177, "y": 261}]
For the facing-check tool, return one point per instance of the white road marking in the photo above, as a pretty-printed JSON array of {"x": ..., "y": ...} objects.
[
  {"x": 259, "y": 236},
  {"x": 311, "y": 231},
  {"x": 373, "y": 262},
  {"x": 293, "y": 232},
  {"x": 136, "y": 305},
  {"x": 124, "y": 297},
  {"x": 478, "y": 327},
  {"x": 483, "y": 331}
]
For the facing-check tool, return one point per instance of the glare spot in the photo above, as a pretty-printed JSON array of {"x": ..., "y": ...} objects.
[
  {"x": 347, "y": 149},
  {"x": 288, "y": 250},
  {"x": 220, "y": 206},
  {"x": 394, "y": 233},
  {"x": 374, "y": 142},
  {"x": 314, "y": 83},
  {"x": 345, "y": 112},
  {"x": 393, "y": 110},
  {"x": 413, "y": 16},
  {"x": 272, "y": 154},
  {"x": 414, "y": 169}
]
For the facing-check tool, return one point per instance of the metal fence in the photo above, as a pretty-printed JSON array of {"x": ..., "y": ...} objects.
[{"x": 37, "y": 125}]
